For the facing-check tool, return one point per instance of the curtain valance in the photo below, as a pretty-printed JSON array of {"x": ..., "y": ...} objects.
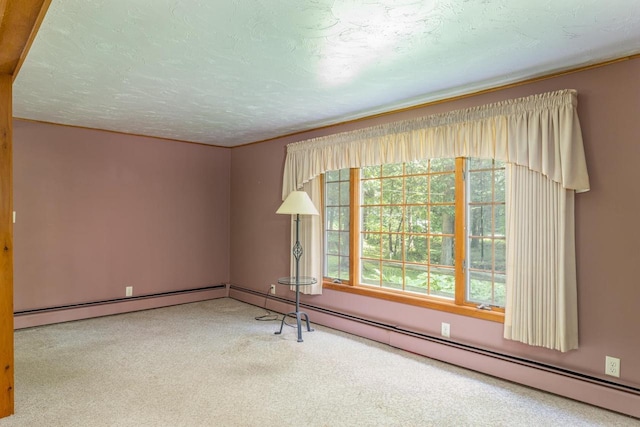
[{"x": 541, "y": 132}]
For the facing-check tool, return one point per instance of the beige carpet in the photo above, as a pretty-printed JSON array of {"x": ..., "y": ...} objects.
[{"x": 212, "y": 364}]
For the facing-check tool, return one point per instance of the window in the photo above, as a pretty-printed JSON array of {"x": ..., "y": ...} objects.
[
  {"x": 422, "y": 261},
  {"x": 485, "y": 237},
  {"x": 432, "y": 230},
  {"x": 336, "y": 230}
]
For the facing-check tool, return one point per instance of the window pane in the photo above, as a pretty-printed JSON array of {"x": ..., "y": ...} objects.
[
  {"x": 333, "y": 266},
  {"x": 442, "y": 219},
  {"x": 481, "y": 253},
  {"x": 392, "y": 217},
  {"x": 392, "y": 275},
  {"x": 442, "y": 283},
  {"x": 481, "y": 184},
  {"x": 443, "y": 165},
  {"x": 337, "y": 267},
  {"x": 480, "y": 220},
  {"x": 392, "y": 169},
  {"x": 371, "y": 219},
  {"x": 332, "y": 217},
  {"x": 480, "y": 287},
  {"x": 475, "y": 164},
  {"x": 500, "y": 248},
  {"x": 344, "y": 243},
  {"x": 499, "y": 290},
  {"x": 344, "y": 218},
  {"x": 500, "y": 220},
  {"x": 344, "y": 193},
  {"x": 417, "y": 167},
  {"x": 392, "y": 191},
  {"x": 333, "y": 243},
  {"x": 371, "y": 171},
  {"x": 499, "y": 178},
  {"x": 487, "y": 289},
  {"x": 331, "y": 176},
  {"x": 370, "y": 245},
  {"x": 417, "y": 190},
  {"x": 416, "y": 219},
  {"x": 333, "y": 193},
  {"x": 442, "y": 251},
  {"x": 370, "y": 272},
  {"x": 344, "y": 268},
  {"x": 443, "y": 188},
  {"x": 345, "y": 174},
  {"x": 416, "y": 248},
  {"x": 370, "y": 192},
  {"x": 392, "y": 246},
  {"x": 416, "y": 278}
]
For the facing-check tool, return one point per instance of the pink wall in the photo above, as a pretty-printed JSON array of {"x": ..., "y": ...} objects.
[
  {"x": 606, "y": 221},
  {"x": 98, "y": 211}
]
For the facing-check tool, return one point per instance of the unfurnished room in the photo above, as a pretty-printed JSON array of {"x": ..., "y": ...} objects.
[{"x": 319, "y": 213}]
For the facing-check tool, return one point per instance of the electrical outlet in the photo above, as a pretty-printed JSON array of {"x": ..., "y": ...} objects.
[
  {"x": 128, "y": 291},
  {"x": 272, "y": 289},
  {"x": 445, "y": 330},
  {"x": 612, "y": 366}
]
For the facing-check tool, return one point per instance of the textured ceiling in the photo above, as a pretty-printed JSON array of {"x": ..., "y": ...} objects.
[{"x": 229, "y": 72}]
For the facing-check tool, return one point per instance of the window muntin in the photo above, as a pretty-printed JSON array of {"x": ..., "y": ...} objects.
[{"x": 406, "y": 218}]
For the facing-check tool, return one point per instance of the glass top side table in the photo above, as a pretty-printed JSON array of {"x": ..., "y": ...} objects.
[{"x": 297, "y": 282}]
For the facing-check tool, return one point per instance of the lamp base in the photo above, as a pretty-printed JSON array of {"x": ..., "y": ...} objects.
[
  {"x": 297, "y": 282},
  {"x": 298, "y": 315}
]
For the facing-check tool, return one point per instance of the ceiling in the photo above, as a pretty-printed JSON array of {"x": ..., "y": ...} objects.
[{"x": 231, "y": 72}]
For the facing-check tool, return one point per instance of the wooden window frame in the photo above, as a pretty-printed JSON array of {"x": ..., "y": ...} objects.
[
  {"x": 323, "y": 183},
  {"x": 457, "y": 305}
]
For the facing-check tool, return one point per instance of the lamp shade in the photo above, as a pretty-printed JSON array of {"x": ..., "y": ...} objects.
[{"x": 297, "y": 202}]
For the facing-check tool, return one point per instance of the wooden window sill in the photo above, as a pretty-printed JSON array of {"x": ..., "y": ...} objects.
[{"x": 450, "y": 307}]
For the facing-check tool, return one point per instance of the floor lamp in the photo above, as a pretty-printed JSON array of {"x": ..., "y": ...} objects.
[{"x": 297, "y": 203}]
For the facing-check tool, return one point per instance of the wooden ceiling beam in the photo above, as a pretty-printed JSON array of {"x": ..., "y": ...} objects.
[{"x": 19, "y": 24}]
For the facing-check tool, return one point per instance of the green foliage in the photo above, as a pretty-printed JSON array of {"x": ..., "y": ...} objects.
[
  {"x": 487, "y": 253},
  {"x": 486, "y": 292},
  {"x": 417, "y": 189},
  {"x": 331, "y": 176},
  {"x": 337, "y": 267}
]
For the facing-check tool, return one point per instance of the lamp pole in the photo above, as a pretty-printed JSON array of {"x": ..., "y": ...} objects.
[{"x": 297, "y": 253}]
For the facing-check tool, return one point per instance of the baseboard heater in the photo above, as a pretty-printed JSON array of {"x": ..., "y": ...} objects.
[
  {"x": 118, "y": 300},
  {"x": 438, "y": 340}
]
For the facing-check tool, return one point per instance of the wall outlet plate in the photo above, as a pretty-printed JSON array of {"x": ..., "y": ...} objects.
[
  {"x": 445, "y": 330},
  {"x": 272, "y": 289},
  {"x": 612, "y": 366},
  {"x": 128, "y": 291}
]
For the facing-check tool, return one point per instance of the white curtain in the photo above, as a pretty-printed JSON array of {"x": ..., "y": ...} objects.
[
  {"x": 539, "y": 132},
  {"x": 541, "y": 306}
]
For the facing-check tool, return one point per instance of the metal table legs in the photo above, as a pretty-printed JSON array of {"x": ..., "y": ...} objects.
[{"x": 298, "y": 315}]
